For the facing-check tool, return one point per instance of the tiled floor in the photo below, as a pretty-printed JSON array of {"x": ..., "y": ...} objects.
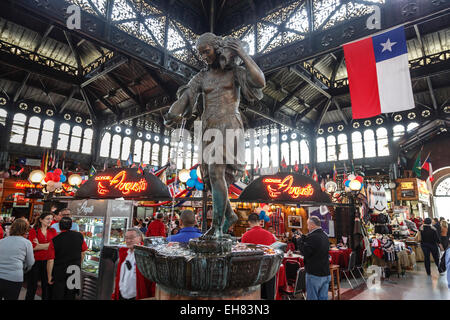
[{"x": 415, "y": 285}]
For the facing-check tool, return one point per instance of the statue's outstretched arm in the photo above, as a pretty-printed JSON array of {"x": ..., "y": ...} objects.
[{"x": 177, "y": 110}]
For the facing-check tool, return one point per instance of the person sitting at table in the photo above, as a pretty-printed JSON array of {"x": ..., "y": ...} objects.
[
  {"x": 257, "y": 235},
  {"x": 314, "y": 247}
]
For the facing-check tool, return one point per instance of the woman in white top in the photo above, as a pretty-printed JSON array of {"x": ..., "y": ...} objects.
[{"x": 16, "y": 257}]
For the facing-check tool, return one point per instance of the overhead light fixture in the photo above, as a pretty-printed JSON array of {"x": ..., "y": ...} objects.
[
  {"x": 184, "y": 175},
  {"x": 36, "y": 176},
  {"x": 75, "y": 180}
]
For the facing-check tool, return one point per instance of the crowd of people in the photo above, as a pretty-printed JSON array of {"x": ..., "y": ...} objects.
[{"x": 43, "y": 251}]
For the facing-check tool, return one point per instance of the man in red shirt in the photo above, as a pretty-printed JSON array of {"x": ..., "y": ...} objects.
[
  {"x": 257, "y": 235},
  {"x": 156, "y": 228}
]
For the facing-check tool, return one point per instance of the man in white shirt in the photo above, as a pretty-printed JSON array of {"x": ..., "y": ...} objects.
[{"x": 130, "y": 284}]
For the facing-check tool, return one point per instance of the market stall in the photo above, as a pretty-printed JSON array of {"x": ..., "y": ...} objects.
[{"x": 103, "y": 210}]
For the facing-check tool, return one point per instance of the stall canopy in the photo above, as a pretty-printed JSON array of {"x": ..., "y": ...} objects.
[
  {"x": 284, "y": 188},
  {"x": 124, "y": 183}
]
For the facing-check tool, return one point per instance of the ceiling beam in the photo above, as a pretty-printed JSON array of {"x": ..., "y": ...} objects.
[
  {"x": 22, "y": 86},
  {"x": 127, "y": 90},
  {"x": 89, "y": 104},
  {"x": 344, "y": 118},
  {"x": 324, "y": 111},
  {"x": 106, "y": 68},
  {"x": 114, "y": 108},
  {"x": 67, "y": 99},
  {"x": 75, "y": 53},
  {"x": 302, "y": 75}
]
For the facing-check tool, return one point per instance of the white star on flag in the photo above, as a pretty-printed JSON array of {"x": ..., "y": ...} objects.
[{"x": 387, "y": 45}]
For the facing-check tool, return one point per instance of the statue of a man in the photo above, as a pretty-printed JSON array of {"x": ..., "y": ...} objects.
[{"x": 220, "y": 84}]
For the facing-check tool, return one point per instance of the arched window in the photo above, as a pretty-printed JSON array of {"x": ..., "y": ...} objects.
[
  {"x": 285, "y": 152},
  {"x": 146, "y": 153},
  {"x": 47, "y": 133},
  {"x": 248, "y": 156},
  {"x": 257, "y": 155},
  {"x": 342, "y": 146},
  {"x": 180, "y": 155},
  {"x": 382, "y": 142},
  {"x": 75, "y": 140},
  {"x": 87, "y": 141},
  {"x": 34, "y": 128},
  {"x": 331, "y": 148},
  {"x": 18, "y": 128},
  {"x": 265, "y": 159},
  {"x": 63, "y": 137},
  {"x": 115, "y": 146},
  {"x": 411, "y": 126},
  {"x": 357, "y": 145},
  {"x": 155, "y": 154},
  {"x": 165, "y": 155},
  {"x": 304, "y": 152},
  {"x": 398, "y": 131},
  {"x": 3, "y": 115},
  {"x": 137, "y": 151},
  {"x": 188, "y": 159},
  {"x": 274, "y": 155},
  {"x": 369, "y": 144},
  {"x": 294, "y": 152},
  {"x": 321, "y": 150},
  {"x": 126, "y": 148},
  {"x": 104, "y": 146}
]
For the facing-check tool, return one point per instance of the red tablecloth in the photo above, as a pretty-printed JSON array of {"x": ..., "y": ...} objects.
[{"x": 340, "y": 257}]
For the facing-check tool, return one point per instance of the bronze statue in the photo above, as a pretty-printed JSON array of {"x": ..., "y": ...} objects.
[{"x": 220, "y": 84}]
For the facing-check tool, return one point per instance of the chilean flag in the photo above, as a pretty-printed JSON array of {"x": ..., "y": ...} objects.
[
  {"x": 427, "y": 166},
  {"x": 378, "y": 74}
]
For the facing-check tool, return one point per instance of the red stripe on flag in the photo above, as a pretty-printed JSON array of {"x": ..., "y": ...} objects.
[{"x": 362, "y": 77}]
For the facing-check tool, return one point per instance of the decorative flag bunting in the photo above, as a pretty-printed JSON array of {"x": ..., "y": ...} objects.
[
  {"x": 140, "y": 169},
  {"x": 283, "y": 163},
  {"x": 378, "y": 74},
  {"x": 296, "y": 166},
  {"x": 118, "y": 164},
  {"x": 314, "y": 175},
  {"x": 92, "y": 171},
  {"x": 417, "y": 166},
  {"x": 130, "y": 160},
  {"x": 334, "y": 173},
  {"x": 427, "y": 166},
  {"x": 345, "y": 173}
]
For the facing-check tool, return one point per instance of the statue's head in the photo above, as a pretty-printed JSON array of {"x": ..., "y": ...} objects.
[{"x": 212, "y": 48}]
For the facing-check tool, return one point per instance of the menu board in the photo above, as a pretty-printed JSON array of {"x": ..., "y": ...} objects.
[{"x": 424, "y": 193}]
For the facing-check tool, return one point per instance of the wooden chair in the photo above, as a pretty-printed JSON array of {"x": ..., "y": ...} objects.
[{"x": 335, "y": 286}]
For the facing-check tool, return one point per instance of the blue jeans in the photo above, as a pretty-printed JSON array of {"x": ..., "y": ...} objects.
[
  {"x": 447, "y": 263},
  {"x": 317, "y": 287}
]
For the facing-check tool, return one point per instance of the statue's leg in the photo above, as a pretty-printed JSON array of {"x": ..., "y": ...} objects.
[
  {"x": 230, "y": 217},
  {"x": 219, "y": 192}
]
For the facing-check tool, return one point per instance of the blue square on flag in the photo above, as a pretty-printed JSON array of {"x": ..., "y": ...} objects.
[{"x": 390, "y": 44}]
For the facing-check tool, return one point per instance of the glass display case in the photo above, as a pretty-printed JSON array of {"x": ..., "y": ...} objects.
[{"x": 102, "y": 223}]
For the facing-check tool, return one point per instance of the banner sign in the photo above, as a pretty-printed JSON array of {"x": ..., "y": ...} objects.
[
  {"x": 125, "y": 183},
  {"x": 284, "y": 187}
]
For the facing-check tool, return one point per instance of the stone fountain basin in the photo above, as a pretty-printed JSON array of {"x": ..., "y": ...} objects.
[{"x": 179, "y": 270}]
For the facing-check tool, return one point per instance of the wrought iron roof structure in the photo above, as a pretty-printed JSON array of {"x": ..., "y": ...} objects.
[{"x": 128, "y": 57}]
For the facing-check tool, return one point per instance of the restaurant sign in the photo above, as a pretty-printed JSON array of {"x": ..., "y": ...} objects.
[
  {"x": 284, "y": 187},
  {"x": 123, "y": 183}
]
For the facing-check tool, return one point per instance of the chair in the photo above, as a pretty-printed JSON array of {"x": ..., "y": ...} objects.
[
  {"x": 291, "y": 268},
  {"x": 362, "y": 264},
  {"x": 350, "y": 268},
  {"x": 299, "y": 285}
]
